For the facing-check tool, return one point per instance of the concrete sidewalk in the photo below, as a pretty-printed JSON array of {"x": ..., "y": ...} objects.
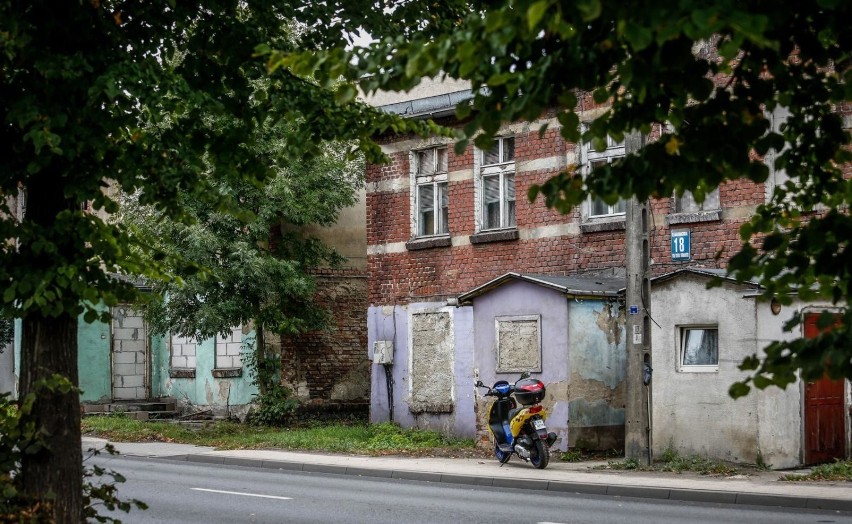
[{"x": 762, "y": 489}]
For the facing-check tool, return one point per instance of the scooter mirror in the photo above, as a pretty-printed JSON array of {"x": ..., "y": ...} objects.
[{"x": 479, "y": 384}]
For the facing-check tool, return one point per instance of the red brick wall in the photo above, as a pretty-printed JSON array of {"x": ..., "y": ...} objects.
[
  {"x": 439, "y": 272},
  {"x": 331, "y": 366}
]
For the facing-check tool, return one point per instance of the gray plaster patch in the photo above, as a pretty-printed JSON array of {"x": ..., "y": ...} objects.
[
  {"x": 431, "y": 363},
  {"x": 518, "y": 344}
]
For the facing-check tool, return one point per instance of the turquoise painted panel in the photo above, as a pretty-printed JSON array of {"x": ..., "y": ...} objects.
[
  {"x": 93, "y": 360},
  {"x": 597, "y": 340},
  {"x": 205, "y": 389},
  {"x": 595, "y": 413}
]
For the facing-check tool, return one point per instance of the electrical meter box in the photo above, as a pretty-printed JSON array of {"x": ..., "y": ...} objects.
[{"x": 383, "y": 352}]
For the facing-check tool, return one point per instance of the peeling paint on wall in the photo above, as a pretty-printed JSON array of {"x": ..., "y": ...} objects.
[
  {"x": 612, "y": 324},
  {"x": 208, "y": 392},
  {"x": 224, "y": 391}
]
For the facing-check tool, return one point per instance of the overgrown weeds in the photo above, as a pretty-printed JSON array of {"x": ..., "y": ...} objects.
[
  {"x": 672, "y": 461},
  {"x": 839, "y": 470},
  {"x": 378, "y": 439}
]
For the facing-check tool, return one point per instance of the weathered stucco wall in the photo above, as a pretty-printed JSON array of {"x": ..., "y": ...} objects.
[
  {"x": 409, "y": 373},
  {"x": 522, "y": 299},
  {"x": 204, "y": 391},
  {"x": 692, "y": 411},
  {"x": 781, "y": 428},
  {"x": 597, "y": 361}
]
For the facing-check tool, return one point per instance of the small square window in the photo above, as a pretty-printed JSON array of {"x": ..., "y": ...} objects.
[
  {"x": 699, "y": 349},
  {"x": 518, "y": 343}
]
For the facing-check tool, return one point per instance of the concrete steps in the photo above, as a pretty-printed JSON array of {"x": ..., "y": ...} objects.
[{"x": 154, "y": 409}]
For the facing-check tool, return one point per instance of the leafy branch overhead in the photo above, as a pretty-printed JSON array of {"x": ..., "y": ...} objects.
[{"x": 715, "y": 72}]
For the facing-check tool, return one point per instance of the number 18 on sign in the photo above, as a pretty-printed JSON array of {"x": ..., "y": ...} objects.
[{"x": 681, "y": 245}]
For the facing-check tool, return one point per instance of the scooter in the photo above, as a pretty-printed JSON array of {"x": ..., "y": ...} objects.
[{"x": 520, "y": 431}]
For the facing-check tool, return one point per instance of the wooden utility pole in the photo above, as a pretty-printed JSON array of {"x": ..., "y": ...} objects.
[{"x": 637, "y": 426}]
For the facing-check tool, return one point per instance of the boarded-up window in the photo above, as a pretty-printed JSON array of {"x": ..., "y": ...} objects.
[
  {"x": 228, "y": 349},
  {"x": 431, "y": 363},
  {"x": 183, "y": 352},
  {"x": 518, "y": 344}
]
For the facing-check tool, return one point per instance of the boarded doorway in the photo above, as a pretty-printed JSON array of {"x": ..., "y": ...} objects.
[
  {"x": 825, "y": 420},
  {"x": 129, "y": 355}
]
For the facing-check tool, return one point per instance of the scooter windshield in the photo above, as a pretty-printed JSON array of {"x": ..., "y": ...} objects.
[{"x": 503, "y": 389}]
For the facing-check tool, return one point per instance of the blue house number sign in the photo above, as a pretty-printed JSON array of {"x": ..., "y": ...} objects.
[{"x": 681, "y": 245}]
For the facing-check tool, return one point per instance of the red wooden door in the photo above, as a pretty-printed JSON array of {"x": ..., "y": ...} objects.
[{"x": 825, "y": 422}]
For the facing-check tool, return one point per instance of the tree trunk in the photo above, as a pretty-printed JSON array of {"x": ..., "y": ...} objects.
[{"x": 48, "y": 347}]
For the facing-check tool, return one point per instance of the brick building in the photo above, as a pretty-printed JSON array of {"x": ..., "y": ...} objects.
[{"x": 444, "y": 228}]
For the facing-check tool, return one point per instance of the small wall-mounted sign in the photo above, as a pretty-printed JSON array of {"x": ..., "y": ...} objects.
[
  {"x": 634, "y": 310},
  {"x": 637, "y": 335},
  {"x": 681, "y": 241}
]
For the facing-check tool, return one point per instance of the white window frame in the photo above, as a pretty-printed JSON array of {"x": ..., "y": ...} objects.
[
  {"x": 681, "y": 348},
  {"x": 777, "y": 177},
  {"x": 504, "y": 171},
  {"x": 437, "y": 177},
  {"x": 614, "y": 150},
  {"x": 679, "y": 202}
]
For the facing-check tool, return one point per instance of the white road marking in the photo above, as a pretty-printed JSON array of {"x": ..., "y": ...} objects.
[{"x": 243, "y": 494}]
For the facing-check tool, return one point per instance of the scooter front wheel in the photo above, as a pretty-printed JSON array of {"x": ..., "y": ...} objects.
[{"x": 540, "y": 454}]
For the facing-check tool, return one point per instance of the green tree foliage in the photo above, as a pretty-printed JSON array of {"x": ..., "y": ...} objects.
[
  {"x": 155, "y": 99},
  {"x": 249, "y": 265},
  {"x": 714, "y": 70}
]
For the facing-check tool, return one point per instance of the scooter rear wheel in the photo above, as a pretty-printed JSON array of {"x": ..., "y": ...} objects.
[{"x": 540, "y": 455}]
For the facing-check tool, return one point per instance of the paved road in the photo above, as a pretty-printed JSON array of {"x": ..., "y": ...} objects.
[{"x": 188, "y": 493}]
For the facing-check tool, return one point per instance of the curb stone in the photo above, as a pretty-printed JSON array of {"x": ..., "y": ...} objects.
[{"x": 613, "y": 490}]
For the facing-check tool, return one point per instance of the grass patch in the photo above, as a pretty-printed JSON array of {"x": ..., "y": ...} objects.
[
  {"x": 671, "y": 461},
  {"x": 840, "y": 470},
  {"x": 378, "y": 439}
]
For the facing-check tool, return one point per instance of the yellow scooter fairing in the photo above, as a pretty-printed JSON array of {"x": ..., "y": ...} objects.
[{"x": 522, "y": 417}]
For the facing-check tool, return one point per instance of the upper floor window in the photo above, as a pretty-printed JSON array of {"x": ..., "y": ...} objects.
[
  {"x": 688, "y": 204},
  {"x": 431, "y": 197},
  {"x": 497, "y": 185},
  {"x": 594, "y": 159},
  {"x": 777, "y": 176}
]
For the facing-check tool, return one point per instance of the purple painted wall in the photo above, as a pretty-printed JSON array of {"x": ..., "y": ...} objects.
[
  {"x": 520, "y": 299},
  {"x": 391, "y": 323}
]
